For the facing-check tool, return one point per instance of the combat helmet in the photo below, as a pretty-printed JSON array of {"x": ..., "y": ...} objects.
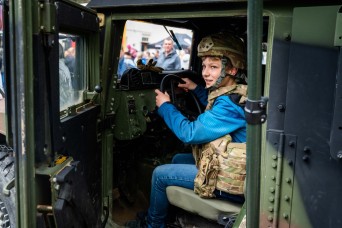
[{"x": 224, "y": 45}]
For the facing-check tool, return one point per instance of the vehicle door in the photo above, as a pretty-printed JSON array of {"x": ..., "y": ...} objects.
[{"x": 54, "y": 112}]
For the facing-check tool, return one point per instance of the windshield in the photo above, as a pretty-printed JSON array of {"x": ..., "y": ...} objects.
[{"x": 169, "y": 47}]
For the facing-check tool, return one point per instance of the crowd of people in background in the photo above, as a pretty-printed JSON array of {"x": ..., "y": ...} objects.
[{"x": 168, "y": 57}]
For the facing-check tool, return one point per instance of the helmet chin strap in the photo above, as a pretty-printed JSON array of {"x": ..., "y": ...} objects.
[{"x": 222, "y": 75}]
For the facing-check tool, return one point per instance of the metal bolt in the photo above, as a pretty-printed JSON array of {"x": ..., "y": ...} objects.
[
  {"x": 307, "y": 149},
  {"x": 305, "y": 158},
  {"x": 274, "y": 157},
  {"x": 57, "y": 186},
  {"x": 292, "y": 143},
  {"x": 262, "y": 118},
  {"x": 274, "y": 165},
  {"x": 272, "y": 189},
  {"x": 271, "y": 199},
  {"x": 288, "y": 180},
  {"x": 290, "y": 162},
  {"x": 285, "y": 215},
  {"x": 339, "y": 154},
  {"x": 270, "y": 209},
  {"x": 273, "y": 177},
  {"x": 281, "y": 108},
  {"x": 287, "y": 198},
  {"x": 270, "y": 218}
]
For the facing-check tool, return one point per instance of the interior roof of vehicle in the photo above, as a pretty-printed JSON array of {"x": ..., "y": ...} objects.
[
  {"x": 148, "y": 3},
  {"x": 124, "y": 3}
]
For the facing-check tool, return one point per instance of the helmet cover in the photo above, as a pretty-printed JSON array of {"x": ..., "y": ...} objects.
[{"x": 224, "y": 45}]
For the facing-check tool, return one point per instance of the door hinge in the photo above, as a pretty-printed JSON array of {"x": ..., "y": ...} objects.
[
  {"x": 255, "y": 111},
  {"x": 47, "y": 17}
]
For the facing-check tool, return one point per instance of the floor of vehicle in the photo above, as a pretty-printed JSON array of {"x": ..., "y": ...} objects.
[{"x": 125, "y": 210}]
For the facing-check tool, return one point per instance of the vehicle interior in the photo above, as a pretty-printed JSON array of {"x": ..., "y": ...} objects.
[
  {"x": 80, "y": 139},
  {"x": 142, "y": 140}
]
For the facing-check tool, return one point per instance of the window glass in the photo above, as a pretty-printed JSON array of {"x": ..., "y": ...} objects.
[
  {"x": 145, "y": 41},
  {"x": 71, "y": 77}
]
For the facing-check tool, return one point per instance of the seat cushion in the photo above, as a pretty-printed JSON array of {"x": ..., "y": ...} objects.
[{"x": 207, "y": 208}]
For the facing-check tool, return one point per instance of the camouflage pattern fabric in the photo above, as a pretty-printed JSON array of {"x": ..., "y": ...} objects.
[
  {"x": 232, "y": 173},
  {"x": 221, "y": 164}
]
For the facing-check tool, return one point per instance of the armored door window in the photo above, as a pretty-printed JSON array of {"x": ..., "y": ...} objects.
[{"x": 71, "y": 79}]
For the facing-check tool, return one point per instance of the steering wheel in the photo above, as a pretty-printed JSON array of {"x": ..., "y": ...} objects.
[{"x": 169, "y": 83}]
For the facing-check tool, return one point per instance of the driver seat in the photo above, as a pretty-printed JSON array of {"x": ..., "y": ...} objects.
[{"x": 187, "y": 200}]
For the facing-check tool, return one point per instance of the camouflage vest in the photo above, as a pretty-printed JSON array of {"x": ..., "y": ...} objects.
[{"x": 221, "y": 164}]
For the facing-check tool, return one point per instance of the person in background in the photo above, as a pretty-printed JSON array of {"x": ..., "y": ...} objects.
[
  {"x": 156, "y": 55},
  {"x": 185, "y": 58},
  {"x": 169, "y": 59},
  {"x": 65, "y": 87},
  {"x": 126, "y": 62},
  {"x": 70, "y": 59},
  {"x": 132, "y": 51}
]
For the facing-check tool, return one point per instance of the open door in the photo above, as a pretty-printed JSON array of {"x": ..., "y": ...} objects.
[{"x": 52, "y": 70}]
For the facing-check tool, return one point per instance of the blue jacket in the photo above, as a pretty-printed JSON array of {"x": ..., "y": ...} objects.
[
  {"x": 169, "y": 62},
  {"x": 224, "y": 118}
]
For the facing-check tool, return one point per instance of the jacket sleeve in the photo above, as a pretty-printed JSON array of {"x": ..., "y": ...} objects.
[
  {"x": 224, "y": 118},
  {"x": 202, "y": 94}
]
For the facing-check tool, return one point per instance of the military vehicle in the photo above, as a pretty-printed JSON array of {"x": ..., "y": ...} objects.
[{"x": 79, "y": 141}]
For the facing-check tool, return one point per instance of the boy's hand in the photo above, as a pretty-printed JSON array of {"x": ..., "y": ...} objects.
[{"x": 161, "y": 98}]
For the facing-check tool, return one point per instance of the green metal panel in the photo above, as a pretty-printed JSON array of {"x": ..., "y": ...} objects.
[
  {"x": 310, "y": 25},
  {"x": 131, "y": 112},
  {"x": 338, "y": 29},
  {"x": 107, "y": 113},
  {"x": 22, "y": 100}
]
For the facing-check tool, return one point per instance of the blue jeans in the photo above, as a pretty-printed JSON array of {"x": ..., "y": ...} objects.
[{"x": 181, "y": 172}]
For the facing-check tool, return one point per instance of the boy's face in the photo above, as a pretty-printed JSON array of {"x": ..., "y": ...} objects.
[{"x": 211, "y": 70}]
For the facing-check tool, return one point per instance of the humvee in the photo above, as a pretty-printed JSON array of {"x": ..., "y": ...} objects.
[{"x": 78, "y": 148}]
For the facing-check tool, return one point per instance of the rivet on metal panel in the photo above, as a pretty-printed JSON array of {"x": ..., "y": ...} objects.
[
  {"x": 306, "y": 149},
  {"x": 292, "y": 144},
  {"x": 281, "y": 108},
  {"x": 305, "y": 158},
  {"x": 339, "y": 154},
  {"x": 271, "y": 199},
  {"x": 288, "y": 180}
]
